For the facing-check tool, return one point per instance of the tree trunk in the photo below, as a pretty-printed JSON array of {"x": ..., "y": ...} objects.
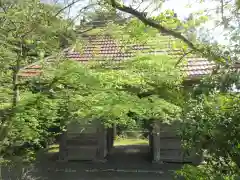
[{"x": 15, "y": 85}]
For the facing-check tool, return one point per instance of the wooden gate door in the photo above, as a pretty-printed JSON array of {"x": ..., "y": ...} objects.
[
  {"x": 166, "y": 145},
  {"x": 83, "y": 141}
]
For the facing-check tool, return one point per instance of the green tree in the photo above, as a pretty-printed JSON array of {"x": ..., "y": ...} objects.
[
  {"x": 109, "y": 94},
  {"x": 30, "y": 30},
  {"x": 212, "y": 122},
  {"x": 216, "y": 110}
]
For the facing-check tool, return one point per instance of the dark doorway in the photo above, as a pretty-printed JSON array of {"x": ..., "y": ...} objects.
[{"x": 130, "y": 148}]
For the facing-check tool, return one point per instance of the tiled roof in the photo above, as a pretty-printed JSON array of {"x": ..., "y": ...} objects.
[
  {"x": 195, "y": 66},
  {"x": 105, "y": 48}
]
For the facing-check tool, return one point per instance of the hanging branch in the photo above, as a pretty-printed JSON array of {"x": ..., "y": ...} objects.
[
  {"x": 205, "y": 51},
  {"x": 150, "y": 22},
  {"x": 71, "y": 4},
  {"x": 182, "y": 57},
  {"x": 68, "y": 6}
]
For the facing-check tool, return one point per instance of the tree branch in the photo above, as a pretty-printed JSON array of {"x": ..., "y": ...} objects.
[
  {"x": 89, "y": 29},
  {"x": 139, "y": 4},
  {"x": 152, "y": 23},
  {"x": 183, "y": 56},
  {"x": 71, "y": 4},
  {"x": 65, "y": 7},
  {"x": 5, "y": 12}
]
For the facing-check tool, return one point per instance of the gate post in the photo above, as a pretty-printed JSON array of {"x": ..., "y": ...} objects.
[
  {"x": 156, "y": 143},
  {"x": 110, "y": 139},
  {"x": 102, "y": 146},
  {"x": 63, "y": 147}
]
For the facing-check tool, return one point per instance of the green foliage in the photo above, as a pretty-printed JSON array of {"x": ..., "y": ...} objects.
[
  {"x": 100, "y": 16},
  {"x": 225, "y": 81},
  {"x": 100, "y": 91},
  {"x": 212, "y": 120},
  {"x": 149, "y": 87},
  {"x": 26, "y": 22},
  {"x": 202, "y": 172},
  {"x": 33, "y": 117},
  {"x": 30, "y": 30}
]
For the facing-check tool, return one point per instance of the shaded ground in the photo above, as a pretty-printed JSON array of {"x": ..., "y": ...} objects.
[{"x": 124, "y": 163}]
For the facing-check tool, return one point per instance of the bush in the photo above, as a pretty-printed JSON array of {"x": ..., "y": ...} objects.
[{"x": 212, "y": 121}]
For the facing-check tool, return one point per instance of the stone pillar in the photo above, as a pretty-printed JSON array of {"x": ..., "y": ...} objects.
[
  {"x": 63, "y": 147},
  {"x": 114, "y": 131},
  {"x": 101, "y": 135},
  {"x": 156, "y": 143},
  {"x": 110, "y": 139},
  {"x": 150, "y": 140}
]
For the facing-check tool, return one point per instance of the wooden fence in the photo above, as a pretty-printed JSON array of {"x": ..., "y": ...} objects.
[
  {"x": 165, "y": 145},
  {"x": 93, "y": 142},
  {"x": 84, "y": 142}
]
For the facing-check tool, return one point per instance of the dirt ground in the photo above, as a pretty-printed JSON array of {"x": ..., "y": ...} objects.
[{"x": 124, "y": 163}]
